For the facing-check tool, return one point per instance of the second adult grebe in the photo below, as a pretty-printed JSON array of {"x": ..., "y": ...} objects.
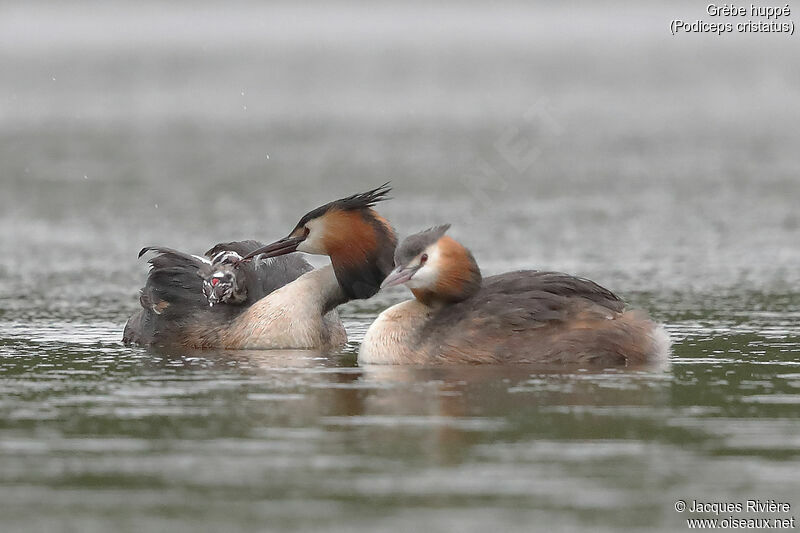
[{"x": 518, "y": 317}]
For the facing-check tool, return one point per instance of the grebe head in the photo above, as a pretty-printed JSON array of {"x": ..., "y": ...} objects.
[
  {"x": 436, "y": 268},
  {"x": 222, "y": 282},
  {"x": 358, "y": 240}
]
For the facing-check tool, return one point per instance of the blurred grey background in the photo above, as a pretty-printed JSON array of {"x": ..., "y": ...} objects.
[{"x": 648, "y": 161}]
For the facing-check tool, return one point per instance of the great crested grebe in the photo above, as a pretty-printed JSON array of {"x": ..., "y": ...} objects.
[
  {"x": 360, "y": 244},
  {"x": 517, "y": 317},
  {"x": 192, "y": 301}
]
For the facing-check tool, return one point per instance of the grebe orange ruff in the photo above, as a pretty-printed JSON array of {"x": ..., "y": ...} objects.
[{"x": 518, "y": 317}]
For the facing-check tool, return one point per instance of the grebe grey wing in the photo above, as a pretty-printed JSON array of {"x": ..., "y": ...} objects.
[
  {"x": 173, "y": 288},
  {"x": 536, "y": 285},
  {"x": 527, "y": 316},
  {"x": 173, "y": 279}
]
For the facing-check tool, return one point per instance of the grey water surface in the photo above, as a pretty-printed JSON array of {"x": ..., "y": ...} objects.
[{"x": 582, "y": 138}]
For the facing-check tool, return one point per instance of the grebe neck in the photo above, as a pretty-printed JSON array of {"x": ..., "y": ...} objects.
[
  {"x": 364, "y": 255},
  {"x": 330, "y": 291}
]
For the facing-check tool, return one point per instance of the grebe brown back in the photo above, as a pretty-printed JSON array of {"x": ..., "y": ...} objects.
[{"x": 517, "y": 317}]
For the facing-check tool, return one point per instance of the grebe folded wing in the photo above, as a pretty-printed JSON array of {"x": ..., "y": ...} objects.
[
  {"x": 173, "y": 279},
  {"x": 528, "y": 316},
  {"x": 539, "y": 287},
  {"x": 173, "y": 289}
]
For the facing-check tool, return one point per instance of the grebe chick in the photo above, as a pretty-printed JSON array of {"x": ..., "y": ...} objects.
[
  {"x": 191, "y": 301},
  {"x": 518, "y": 317}
]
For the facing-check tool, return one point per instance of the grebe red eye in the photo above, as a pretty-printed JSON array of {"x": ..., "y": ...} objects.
[
  {"x": 214, "y": 281},
  {"x": 423, "y": 258}
]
